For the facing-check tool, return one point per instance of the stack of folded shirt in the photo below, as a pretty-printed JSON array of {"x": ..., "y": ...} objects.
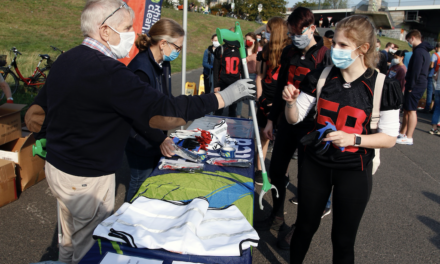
[{"x": 186, "y": 228}]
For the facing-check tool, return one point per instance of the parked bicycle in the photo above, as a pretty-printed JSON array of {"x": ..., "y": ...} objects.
[{"x": 37, "y": 79}]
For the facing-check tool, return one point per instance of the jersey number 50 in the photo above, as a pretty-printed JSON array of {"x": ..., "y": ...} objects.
[{"x": 341, "y": 120}]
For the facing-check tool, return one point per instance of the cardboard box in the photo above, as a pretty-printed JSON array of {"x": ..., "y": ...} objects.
[
  {"x": 29, "y": 169},
  {"x": 8, "y": 187},
  {"x": 10, "y": 122}
]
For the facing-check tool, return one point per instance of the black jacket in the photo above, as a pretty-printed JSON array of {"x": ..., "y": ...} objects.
[{"x": 144, "y": 140}]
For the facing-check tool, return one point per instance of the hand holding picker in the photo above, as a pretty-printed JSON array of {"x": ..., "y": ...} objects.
[{"x": 238, "y": 36}]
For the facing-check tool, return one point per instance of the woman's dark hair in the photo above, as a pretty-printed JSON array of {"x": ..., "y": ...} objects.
[
  {"x": 213, "y": 36},
  {"x": 400, "y": 53},
  {"x": 301, "y": 17}
]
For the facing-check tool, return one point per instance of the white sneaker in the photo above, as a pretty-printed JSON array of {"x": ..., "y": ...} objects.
[
  {"x": 401, "y": 135},
  {"x": 404, "y": 141}
]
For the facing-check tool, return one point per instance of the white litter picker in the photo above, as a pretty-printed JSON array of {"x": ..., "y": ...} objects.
[{"x": 223, "y": 34}]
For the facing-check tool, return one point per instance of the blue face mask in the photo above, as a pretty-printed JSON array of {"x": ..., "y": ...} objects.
[
  {"x": 301, "y": 41},
  {"x": 267, "y": 36},
  {"x": 410, "y": 45},
  {"x": 342, "y": 58},
  {"x": 173, "y": 55}
]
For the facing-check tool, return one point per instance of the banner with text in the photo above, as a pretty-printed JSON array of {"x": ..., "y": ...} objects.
[{"x": 146, "y": 14}]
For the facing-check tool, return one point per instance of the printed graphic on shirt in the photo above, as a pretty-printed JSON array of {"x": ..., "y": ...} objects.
[
  {"x": 296, "y": 74},
  {"x": 392, "y": 74},
  {"x": 347, "y": 118}
]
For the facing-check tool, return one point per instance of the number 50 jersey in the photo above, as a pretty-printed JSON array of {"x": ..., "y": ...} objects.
[{"x": 348, "y": 106}]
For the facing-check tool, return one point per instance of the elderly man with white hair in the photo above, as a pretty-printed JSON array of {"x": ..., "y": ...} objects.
[{"x": 86, "y": 109}]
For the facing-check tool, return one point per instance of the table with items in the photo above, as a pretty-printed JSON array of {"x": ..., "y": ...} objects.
[{"x": 194, "y": 208}]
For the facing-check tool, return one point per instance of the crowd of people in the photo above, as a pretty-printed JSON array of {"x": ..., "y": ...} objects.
[
  {"x": 316, "y": 94},
  {"x": 293, "y": 60}
]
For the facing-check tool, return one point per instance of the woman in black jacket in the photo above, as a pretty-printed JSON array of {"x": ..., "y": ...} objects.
[{"x": 152, "y": 64}]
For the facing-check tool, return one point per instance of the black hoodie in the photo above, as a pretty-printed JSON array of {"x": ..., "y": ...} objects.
[{"x": 418, "y": 68}]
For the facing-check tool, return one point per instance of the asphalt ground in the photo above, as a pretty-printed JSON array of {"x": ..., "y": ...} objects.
[{"x": 401, "y": 223}]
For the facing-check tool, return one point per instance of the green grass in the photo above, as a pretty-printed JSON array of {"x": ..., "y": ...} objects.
[{"x": 403, "y": 45}]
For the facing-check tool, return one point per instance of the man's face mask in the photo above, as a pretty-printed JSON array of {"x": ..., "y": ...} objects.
[{"x": 126, "y": 42}]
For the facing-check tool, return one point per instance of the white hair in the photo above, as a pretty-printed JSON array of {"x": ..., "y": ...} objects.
[{"x": 96, "y": 11}]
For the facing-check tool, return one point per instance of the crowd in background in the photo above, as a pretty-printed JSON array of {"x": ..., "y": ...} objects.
[{"x": 284, "y": 55}]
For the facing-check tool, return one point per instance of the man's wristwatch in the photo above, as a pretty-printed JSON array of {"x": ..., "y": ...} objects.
[{"x": 357, "y": 140}]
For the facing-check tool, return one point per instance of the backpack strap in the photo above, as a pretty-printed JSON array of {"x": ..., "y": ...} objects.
[
  {"x": 377, "y": 97},
  {"x": 320, "y": 84}
]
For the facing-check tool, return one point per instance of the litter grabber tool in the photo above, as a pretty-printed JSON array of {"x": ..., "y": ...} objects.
[
  {"x": 39, "y": 148},
  {"x": 317, "y": 136},
  {"x": 223, "y": 34}
]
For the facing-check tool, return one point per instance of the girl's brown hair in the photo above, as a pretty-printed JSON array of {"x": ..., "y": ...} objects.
[
  {"x": 254, "y": 37},
  {"x": 360, "y": 30},
  {"x": 278, "y": 41},
  {"x": 165, "y": 28}
]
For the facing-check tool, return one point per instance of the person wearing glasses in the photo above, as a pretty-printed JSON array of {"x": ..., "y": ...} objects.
[
  {"x": 87, "y": 122},
  {"x": 145, "y": 145}
]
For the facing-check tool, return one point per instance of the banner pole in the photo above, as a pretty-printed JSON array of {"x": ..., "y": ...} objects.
[{"x": 185, "y": 28}]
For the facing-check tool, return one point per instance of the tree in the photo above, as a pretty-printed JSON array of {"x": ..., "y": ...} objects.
[
  {"x": 325, "y": 4},
  {"x": 271, "y": 8},
  {"x": 306, "y": 3}
]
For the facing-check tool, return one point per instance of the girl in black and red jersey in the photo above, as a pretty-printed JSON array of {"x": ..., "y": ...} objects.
[
  {"x": 346, "y": 101},
  {"x": 307, "y": 53},
  {"x": 268, "y": 68}
]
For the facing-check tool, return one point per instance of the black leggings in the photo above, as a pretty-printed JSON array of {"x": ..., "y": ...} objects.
[
  {"x": 286, "y": 142},
  {"x": 351, "y": 192}
]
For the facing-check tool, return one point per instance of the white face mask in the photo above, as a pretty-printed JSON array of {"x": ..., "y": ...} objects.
[
  {"x": 216, "y": 43},
  {"x": 393, "y": 50},
  {"x": 123, "y": 48},
  {"x": 395, "y": 61}
]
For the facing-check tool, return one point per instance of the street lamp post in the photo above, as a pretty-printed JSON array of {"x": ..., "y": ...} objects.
[{"x": 260, "y": 8}]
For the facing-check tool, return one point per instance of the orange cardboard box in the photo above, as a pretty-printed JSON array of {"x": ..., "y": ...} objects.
[
  {"x": 29, "y": 169},
  {"x": 10, "y": 122},
  {"x": 8, "y": 188}
]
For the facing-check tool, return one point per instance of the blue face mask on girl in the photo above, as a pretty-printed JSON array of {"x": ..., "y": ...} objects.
[
  {"x": 342, "y": 57},
  {"x": 173, "y": 55}
]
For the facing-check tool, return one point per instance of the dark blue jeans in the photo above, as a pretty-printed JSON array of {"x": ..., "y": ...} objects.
[
  {"x": 140, "y": 169},
  {"x": 429, "y": 91}
]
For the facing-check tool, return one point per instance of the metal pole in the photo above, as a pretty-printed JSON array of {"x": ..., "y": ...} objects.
[
  {"x": 319, "y": 6},
  {"x": 185, "y": 26}
]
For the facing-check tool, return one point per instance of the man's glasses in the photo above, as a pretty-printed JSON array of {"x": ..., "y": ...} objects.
[
  {"x": 123, "y": 5},
  {"x": 178, "y": 49}
]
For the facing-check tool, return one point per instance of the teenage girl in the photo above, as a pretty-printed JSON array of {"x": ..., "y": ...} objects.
[
  {"x": 268, "y": 67},
  {"x": 398, "y": 69},
  {"x": 346, "y": 100},
  {"x": 307, "y": 53}
]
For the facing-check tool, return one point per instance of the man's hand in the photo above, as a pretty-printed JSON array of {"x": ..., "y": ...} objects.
[
  {"x": 268, "y": 130},
  {"x": 167, "y": 148},
  {"x": 340, "y": 138},
  {"x": 216, "y": 89}
]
